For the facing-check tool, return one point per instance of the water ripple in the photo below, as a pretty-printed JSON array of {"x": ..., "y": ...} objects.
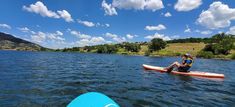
[{"x": 36, "y": 79}]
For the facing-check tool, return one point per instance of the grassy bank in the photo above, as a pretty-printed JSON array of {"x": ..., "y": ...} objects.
[
  {"x": 220, "y": 46},
  {"x": 172, "y": 49},
  {"x": 177, "y": 49}
]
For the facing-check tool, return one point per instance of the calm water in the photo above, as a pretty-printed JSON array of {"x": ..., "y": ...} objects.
[{"x": 54, "y": 79}]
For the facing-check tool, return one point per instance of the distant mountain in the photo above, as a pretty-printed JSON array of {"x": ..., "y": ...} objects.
[{"x": 9, "y": 42}]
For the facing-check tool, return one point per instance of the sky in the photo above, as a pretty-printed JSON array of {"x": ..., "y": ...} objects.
[{"x": 71, "y": 23}]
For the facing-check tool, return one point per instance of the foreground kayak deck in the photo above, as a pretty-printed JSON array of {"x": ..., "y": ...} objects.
[
  {"x": 92, "y": 99},
  {"x": 191, "y": 73}
]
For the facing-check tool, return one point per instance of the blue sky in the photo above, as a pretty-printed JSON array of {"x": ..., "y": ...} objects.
[{"x": 63, "y": 23}]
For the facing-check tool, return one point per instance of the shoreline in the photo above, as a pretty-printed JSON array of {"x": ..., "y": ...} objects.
[
  {"x": 126, "y": 54},
  {"x": 173, "y": 56},
  {"x": 217, "y": 58}
]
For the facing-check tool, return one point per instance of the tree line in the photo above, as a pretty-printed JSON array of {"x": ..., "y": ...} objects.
[
  {"x": 218, "y": 44},
  {"x": 107, "y": 48}
]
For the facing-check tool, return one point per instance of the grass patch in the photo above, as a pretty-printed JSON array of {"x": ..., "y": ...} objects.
[
  {"x": 233, "y": 56},
  {"x": 182, "y": 48},
  {"x": 177, "y": 49},
  {"x": 205, "y": 54}
]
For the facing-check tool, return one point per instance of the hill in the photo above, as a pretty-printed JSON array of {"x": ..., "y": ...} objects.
[
  {"x": 218, "y": 46},
  {"x": 9, "y": 42}
]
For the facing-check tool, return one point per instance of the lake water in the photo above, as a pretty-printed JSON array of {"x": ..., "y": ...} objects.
[{"x": 34, "y": 79}]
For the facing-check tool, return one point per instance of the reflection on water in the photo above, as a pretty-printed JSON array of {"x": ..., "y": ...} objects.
[{"x": 54, "y": 79}]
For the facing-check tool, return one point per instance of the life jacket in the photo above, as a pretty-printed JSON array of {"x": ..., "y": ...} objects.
[{"x": 188, "y": 61}]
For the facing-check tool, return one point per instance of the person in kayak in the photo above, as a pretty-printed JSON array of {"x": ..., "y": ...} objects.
[{"x": 187, "y": 62}]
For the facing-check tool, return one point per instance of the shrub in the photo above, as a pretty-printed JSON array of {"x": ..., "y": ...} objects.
[
  {"x": 102, "y": 49},
  {"x": 208, "y": 47},
  {"x": 220, "y": 44},
  {"x": 147, "y": 53},
  {"x": 205, "y": 54},
  {"x": 233, "y": 56},
  {"x": 132, "y": 47},
  {"x": 156, "y": 44},
  {"x": 106, "y": 49},
  {"x": 178, "y": 54}
]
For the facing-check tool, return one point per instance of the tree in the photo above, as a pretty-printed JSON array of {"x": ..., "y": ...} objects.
[
  {"x": 132, "y": 47},
  {"x": 220, "y": 44},
  {"x": 106, "y": 49},
  {"x": 102, "y": 49},
  {"x": 156, "y": 44},
  {"x": 111, "y": 49},
  {"x": 223, "y": 47}
]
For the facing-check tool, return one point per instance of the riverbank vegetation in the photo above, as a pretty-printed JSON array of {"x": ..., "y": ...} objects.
[{"x": 218, "y": 46}]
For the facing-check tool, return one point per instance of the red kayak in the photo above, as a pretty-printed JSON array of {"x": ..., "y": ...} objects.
[{"x": 191, "y": 73}]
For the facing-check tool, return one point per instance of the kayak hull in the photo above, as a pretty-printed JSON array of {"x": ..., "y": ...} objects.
[{"x": 191, "y": 73}]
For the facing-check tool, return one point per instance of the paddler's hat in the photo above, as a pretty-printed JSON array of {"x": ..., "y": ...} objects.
[{"x": 188, "y": 55}]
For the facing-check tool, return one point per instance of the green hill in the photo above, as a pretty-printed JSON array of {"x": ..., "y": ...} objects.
[
  {"x": 218, "y": 46},
  {"x": 9, "y": 42}
]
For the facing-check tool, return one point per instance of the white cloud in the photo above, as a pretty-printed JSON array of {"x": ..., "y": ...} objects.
[
  {"x": 187, "y": 30},
  {"x": 38, "y": 37},
  {"x": 129, "y": 4},
  {"x": 219, "y": 15},
  {"x": 92, "y": 41},
  {"x": 231, "y": 30},
  {"x": 65, "y": 15},
  {"x": 102, "y": 25},
  {"x": 108, "y": 8},
  {"x": 138, "y": 4},
  {"x": 156, "y": 35},
  {"x": 158, "y": 27},
  {"x": 75, "y": 33},
  {"x": 80, "y": 35},
  {"x": 96, "y": 40},
  {"x": 115, "y": 37},
  {"x": 92, "y": 24},
  {"x": 129, "y": 36},
  {"x": 187, "y": 5},
  {"x": 153, "y": 4},
  {"x": 55, "y": 36},
  {"x": 41, "y": 37},
  {"x": 110, "y": 35},
  {"x": 40, "y": 8},
  {"x": 168, "y": 14},
  {"x": 206, "y": 32},
  {"x": 83, "y": 42},
  {"x": 24, "y": 29},
  {"x": 119, "y": 39},
  {"x": 5, "y": 26},
  {"x": 53, "y": 40},
  {"x": 107, "y": 25},
  {"x": 86, "y": 23},
  {"x": 59, "y": 33},
  {"x": 84, "y": 36}
]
